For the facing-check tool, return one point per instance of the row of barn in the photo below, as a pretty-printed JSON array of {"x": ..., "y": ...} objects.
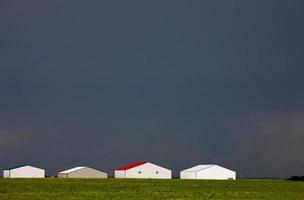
[{"x": 135, "y": 170}]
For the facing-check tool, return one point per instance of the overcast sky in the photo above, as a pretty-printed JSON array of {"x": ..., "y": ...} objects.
[{"x": 174, "y": 82}]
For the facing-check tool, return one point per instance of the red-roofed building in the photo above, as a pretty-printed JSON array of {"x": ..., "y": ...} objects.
[{"x": 143, "y": 170}]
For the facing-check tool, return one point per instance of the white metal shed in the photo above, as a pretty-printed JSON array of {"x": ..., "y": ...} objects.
[
  {"x": 143, "y": 170},
  {"x": 211, "y": 172},
  {"x": 24, "y": 171},
  {"x": 82, "y": 172}
]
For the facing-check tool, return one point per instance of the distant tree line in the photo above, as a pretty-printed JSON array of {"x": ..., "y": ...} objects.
[{"x": 297, "y": 178}]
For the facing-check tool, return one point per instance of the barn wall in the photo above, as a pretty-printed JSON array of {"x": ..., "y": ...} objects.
[
  {"x": 187, "y": 175},
  {"x": 120, "y": 174},
  {"x": 62, "y": 175},
  {"x": 6, "y": 173}
]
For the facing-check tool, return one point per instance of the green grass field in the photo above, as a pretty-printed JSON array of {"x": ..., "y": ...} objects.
[{"x": 148, "y": 189}]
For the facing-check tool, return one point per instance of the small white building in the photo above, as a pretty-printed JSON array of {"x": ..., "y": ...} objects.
[
  {"x": 143, "y": 170},
  {"x": 82, "y": 172},
  {"x": 24, "y": 171},
  {"x": 211, "y": 172}
]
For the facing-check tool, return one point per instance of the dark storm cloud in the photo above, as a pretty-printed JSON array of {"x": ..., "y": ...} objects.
[
  {"x": 174, "y": 82},
  {"x": 10, "y": 141},
  {"x": 271, "y": 140}
]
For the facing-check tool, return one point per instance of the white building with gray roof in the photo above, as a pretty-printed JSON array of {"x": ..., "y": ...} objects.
[
  {"x": 210, "y": 172},
  {"x": 23, "y": 171}
]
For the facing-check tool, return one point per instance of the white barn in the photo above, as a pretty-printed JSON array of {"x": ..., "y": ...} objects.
[
  {"x": 211, "y": 172},
  {"x": 24, "y": 171},
  {"x": 143, "y": 170}
]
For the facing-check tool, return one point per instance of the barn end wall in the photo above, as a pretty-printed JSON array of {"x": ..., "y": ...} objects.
[
  {"x": 6, "y": 173},
  {"x": 62, "y": 175},
  {"x": 187, "y": 175},
  {"x": 120, "y": 174}
]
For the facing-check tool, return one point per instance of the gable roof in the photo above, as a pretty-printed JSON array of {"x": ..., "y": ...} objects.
[
  {"x": 198, "y": 168},
  {"x": 20, "y": 166},
  {"x": 15, "y": 167},
  {"x": 132, "y": 165},
  {"x": 71, "y": 170}
]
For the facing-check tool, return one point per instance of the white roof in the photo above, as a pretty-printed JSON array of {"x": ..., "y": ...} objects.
[
  {"x": 71, "y": 170},
  {"x": 198, "y": 168}
]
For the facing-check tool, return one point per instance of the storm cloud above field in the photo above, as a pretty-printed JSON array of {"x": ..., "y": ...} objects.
[{"x": 178, "y": 83}]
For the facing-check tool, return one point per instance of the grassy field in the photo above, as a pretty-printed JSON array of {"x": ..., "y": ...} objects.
[{"x": 148, "y": 189}]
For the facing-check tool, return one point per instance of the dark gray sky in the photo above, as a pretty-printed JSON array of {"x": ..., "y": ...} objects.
[{"x": 175, "y": 82}]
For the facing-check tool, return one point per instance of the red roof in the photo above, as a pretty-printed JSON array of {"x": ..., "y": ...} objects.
[{"x": 132, "y": 165}]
